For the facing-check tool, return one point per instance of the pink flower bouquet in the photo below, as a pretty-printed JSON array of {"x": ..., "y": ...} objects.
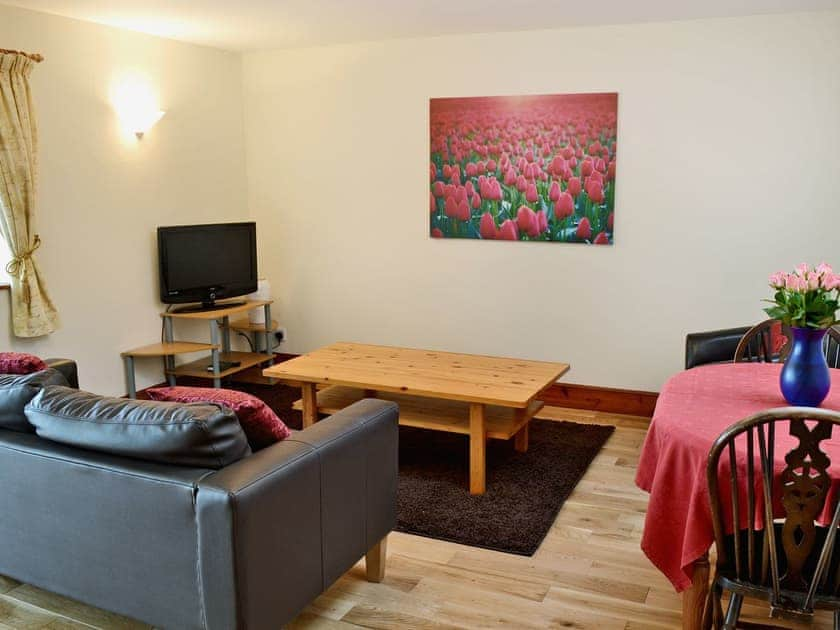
[{"x": 806, "y": 298}]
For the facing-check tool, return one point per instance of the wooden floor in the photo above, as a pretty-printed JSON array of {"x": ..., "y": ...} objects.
[{"x": 589, "y": 572}]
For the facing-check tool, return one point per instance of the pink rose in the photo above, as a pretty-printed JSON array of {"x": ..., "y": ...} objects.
[
  {"x": 825, "y": 269},
  {"x": 813, "y": 280},
  {"x": 802, "y": 269},
  {"x": 777, "y": 280},
  {"x": 802, "y": 285}
]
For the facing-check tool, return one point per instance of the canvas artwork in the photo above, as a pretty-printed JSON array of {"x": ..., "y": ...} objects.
[{"x": 524, "y": 168}]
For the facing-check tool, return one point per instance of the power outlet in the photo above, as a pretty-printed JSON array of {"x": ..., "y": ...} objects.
[{"x": 281, "y": 335}]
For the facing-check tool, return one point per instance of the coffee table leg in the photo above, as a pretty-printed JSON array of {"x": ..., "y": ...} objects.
[
  {"x": 310, "y": 404},
  {"x": 520, "y": 438},
  {"x": 478, "y": 445}
]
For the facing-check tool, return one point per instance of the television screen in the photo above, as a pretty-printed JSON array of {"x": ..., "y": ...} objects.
[{"x": 203, "y": 263}]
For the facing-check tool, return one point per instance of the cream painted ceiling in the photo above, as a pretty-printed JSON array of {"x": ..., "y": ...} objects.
[{"x": 245, "y": 25}]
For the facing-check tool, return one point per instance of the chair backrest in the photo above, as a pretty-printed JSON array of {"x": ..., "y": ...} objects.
[
  {"x": 796, "y": 563},
  {"x": 831, "y": 347},
  {"x": 769, "y": 342},
  {"x": 766, "y": 342},
  {"x": 712, "y": 346}
]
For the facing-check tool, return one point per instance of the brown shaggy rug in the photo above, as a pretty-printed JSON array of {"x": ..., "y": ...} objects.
[{"x": 524, "y": 491}]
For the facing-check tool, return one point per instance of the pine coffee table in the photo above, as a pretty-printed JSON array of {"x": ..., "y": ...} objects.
[{"x": 482, "y": 397}]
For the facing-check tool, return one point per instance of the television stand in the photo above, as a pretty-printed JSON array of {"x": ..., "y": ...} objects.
[
  {"x": 224, "y": 365},
  {"x": 222, "y": 362},
  {"x": 207, "y": 306}
]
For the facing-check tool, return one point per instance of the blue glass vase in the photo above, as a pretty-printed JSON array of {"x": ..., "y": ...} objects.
[{"x": 805, "y": 377}]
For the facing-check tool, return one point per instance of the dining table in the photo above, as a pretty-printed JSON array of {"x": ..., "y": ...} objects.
[{"x": 693, "y": 409}]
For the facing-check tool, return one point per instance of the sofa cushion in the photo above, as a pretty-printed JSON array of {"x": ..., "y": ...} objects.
[
  {"x": 68, "y": 368},
  {"x": 20, "y": 363},
  {"x": 201, "y": 435},
  {"x": 16, "y": 390},
  {"x": 261, "y": 425}
]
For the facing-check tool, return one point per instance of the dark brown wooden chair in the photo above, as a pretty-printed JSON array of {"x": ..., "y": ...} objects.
[
  {"x": 831, "y": 347},
  {"x": 760, "y": 343},
  {"x": 792, "y": 564}
]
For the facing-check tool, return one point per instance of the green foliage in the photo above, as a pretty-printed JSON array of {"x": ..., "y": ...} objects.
[{"x": 811, "y": 309}]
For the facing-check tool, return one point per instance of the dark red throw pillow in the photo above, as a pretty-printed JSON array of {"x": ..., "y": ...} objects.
[
  {"x": 20, "y": 363},
  {"x": 261, "y": 425}
]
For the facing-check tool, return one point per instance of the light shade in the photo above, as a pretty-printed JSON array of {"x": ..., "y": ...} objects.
[
  {"x": 136, "y": 106},
  {"x": 143, "y": 121}
]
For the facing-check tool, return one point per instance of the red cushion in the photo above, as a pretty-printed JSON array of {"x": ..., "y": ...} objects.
[
  {"x": 261, "y": 425},
  {"x": 20, "y": 363}
]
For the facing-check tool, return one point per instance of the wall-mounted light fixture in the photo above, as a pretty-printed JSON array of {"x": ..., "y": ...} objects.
[
  {"x": 136, "y": 106},
  {"x": 143, "y": 121}
]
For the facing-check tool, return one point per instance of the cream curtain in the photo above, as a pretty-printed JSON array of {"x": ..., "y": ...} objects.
[{"x": 33, "y": 313}]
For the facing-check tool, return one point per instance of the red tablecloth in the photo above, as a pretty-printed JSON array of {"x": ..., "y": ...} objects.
[{"x": 694, "y": 407}]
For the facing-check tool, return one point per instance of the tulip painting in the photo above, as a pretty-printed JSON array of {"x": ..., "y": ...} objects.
[{"x": 524, "y": 168}]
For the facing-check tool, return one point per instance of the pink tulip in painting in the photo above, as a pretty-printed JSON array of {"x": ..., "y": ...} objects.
[{"x": 526, "y": 168}]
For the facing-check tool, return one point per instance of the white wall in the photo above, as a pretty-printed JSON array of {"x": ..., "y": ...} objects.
[
  {"x": 728, "y": 162},
  {"x": 102, "y": 196},
  {"x": 727, "y": 170}
]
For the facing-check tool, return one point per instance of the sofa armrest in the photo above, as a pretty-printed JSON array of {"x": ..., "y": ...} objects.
[
  {"x": 278, "y": 527},
  {"x": 68, "y": 368},
  {"x": 714, "y": 346}
]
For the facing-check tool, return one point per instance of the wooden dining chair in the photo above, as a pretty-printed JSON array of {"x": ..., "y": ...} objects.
[
  {"x": 792, "y": 564},
  {"x": 769, "y": 342},
  {"x": 831, "y": 347},
  {"x": 766, "y": 342}
]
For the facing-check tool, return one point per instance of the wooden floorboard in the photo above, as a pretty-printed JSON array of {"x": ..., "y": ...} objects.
[{"x": 588, "y": 574}]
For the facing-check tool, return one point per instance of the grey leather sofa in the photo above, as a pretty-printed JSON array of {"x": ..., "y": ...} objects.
[{"x": 244, "y": 547}]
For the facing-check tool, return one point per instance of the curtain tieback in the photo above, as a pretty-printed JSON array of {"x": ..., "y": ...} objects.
[{"x": 15, "y": 265}]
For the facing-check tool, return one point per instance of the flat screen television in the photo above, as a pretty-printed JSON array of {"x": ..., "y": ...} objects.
[{"x": 205, "y": 263}]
